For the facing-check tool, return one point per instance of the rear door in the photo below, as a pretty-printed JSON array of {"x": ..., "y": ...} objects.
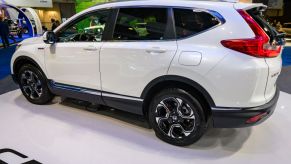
[{"x": 141, "y": 48}]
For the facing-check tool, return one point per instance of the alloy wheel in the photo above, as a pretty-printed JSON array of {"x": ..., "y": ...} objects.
[
  {"x": 175, "y": 117},
  {"x": 31, "y": 84}
]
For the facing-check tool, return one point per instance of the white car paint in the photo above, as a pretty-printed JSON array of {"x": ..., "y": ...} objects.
[
  {"x": 78, "y": 67},
  {"x": 231, "y": 78}
]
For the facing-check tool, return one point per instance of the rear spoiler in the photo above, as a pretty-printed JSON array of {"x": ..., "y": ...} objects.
[{"x": 248, "y": 6}]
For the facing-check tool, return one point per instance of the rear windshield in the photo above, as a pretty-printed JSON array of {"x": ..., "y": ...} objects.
[{"x": 260, "y": 19}]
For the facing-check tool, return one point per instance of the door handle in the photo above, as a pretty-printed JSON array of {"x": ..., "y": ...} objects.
[
  {"x": 156, "y": 50},
  {"x": 90, "y": 48}
]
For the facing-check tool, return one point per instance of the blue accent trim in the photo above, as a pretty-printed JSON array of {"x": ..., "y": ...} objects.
[
  {"x": 125, "y": 103},
  {"x": 75, "y": 89}
]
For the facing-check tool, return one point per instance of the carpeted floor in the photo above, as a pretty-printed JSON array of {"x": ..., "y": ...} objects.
[
  {"x": 7, "y": 85},
  {"x": 284, "y": 81}
]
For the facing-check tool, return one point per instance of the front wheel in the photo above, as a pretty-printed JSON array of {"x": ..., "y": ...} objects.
[
  {"x": 33, "y": 85},
  {"x": 177, "y": 117}
]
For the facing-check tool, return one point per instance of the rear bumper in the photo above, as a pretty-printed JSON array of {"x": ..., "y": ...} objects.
[{"x": 237, "y": 117}]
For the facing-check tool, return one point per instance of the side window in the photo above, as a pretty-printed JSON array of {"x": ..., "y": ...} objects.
[
  {"x": 88, "y": 28},
  {"x": 189, "y": 22},
  {"x": 141, "y": 24}
]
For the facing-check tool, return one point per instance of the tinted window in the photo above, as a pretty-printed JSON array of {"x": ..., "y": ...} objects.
[
  {"x": 189, "y": 22},
  {"x": 88, "y": 28},
  {"x": 141, "y": 24}
]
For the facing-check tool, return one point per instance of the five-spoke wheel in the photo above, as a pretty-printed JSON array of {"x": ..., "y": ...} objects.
[
  {"x": 177, "y": 117},
  {"x": 33, "y": 85}
]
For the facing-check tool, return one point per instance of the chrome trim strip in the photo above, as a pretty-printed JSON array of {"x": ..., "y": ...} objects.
[
  {"x": 76, "y": 89},
  {"x": 225, "y": 109},
  {"x": 121, "y": 97},
  {"x": 93, "y": 92}
]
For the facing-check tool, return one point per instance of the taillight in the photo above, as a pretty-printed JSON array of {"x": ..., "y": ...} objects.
[{"x": 259, "y": 46}]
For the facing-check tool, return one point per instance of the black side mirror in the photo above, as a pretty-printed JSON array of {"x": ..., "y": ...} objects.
[{"x": 49, "y": 37}]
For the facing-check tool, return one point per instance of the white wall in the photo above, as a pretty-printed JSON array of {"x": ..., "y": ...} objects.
[{"x": 29, "y": 3}]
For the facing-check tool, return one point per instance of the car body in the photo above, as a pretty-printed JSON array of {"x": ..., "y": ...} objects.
[
  {"x": 287, "y": 29},
  {"x": 210, "y": 60}
]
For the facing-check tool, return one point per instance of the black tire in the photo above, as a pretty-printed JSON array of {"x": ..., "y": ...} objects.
[
  {"x": 35, "y": 89},
  {"x": 190, "y": 129}
]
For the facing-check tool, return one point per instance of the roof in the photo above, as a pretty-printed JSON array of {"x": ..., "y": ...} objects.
[{"x": 188, "y": 3}]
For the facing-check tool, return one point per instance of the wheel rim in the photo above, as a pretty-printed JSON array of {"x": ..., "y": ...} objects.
[
  {"x": 31, "y": 84},
  {"x": 175, "y": 118}
]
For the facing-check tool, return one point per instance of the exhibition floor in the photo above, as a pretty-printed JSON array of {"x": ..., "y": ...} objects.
[{"x": 59, "y": 133}]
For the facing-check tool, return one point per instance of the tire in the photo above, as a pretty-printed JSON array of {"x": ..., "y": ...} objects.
[
  {"x": 33, "y": 85},
  {"x": 179, "y": 125}
]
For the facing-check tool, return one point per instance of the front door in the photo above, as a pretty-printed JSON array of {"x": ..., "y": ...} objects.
[{"x": 74, "y": 59}]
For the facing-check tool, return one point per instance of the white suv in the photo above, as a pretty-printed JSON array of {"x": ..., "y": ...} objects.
[{"x": 184, "y": 65}]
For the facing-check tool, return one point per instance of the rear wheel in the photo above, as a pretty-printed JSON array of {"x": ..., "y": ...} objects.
[
  {"x": 33, "y": 85},
  {"x": 177, "y": 117}
]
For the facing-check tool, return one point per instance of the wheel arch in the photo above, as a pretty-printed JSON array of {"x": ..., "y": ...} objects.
[
  {"x": 173, "y": 81},
  {"x": 20, "y": 61}
]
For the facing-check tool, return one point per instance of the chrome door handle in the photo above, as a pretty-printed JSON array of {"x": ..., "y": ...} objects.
[
  {"x": 90, "y": 48},
  {"x": 156, "y": 50}
]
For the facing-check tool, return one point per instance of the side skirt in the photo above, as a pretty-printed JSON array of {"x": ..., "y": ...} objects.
[
  {"x": 125, "y": 103},
  {"x": 121, "y": 102}
]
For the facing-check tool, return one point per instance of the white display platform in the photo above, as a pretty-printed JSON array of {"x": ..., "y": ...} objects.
[{"x": 58, "y": 134}]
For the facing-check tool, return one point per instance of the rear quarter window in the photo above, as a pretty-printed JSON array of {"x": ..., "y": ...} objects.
[{"x": 189, "y": 22}]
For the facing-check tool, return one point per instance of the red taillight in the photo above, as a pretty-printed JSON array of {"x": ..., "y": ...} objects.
[
  {"x": 256, "y": 118},
  {"x": 258, "y": 46}
]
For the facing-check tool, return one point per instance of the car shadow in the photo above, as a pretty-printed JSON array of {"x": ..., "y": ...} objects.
[{"x": 134, "y": 129}]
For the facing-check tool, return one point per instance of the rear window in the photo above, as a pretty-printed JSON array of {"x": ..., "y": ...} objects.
[
  {"x": 189, "y": 22},
  {"x": 141, "y": 24}
]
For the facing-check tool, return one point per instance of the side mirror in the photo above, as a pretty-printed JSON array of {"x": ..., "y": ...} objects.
[{"x": 49, "y": 37}]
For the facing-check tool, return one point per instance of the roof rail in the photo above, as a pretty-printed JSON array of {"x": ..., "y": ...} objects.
[
  {"x": 113, "y": 1},
  {"x": 232, "y": 1}
]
